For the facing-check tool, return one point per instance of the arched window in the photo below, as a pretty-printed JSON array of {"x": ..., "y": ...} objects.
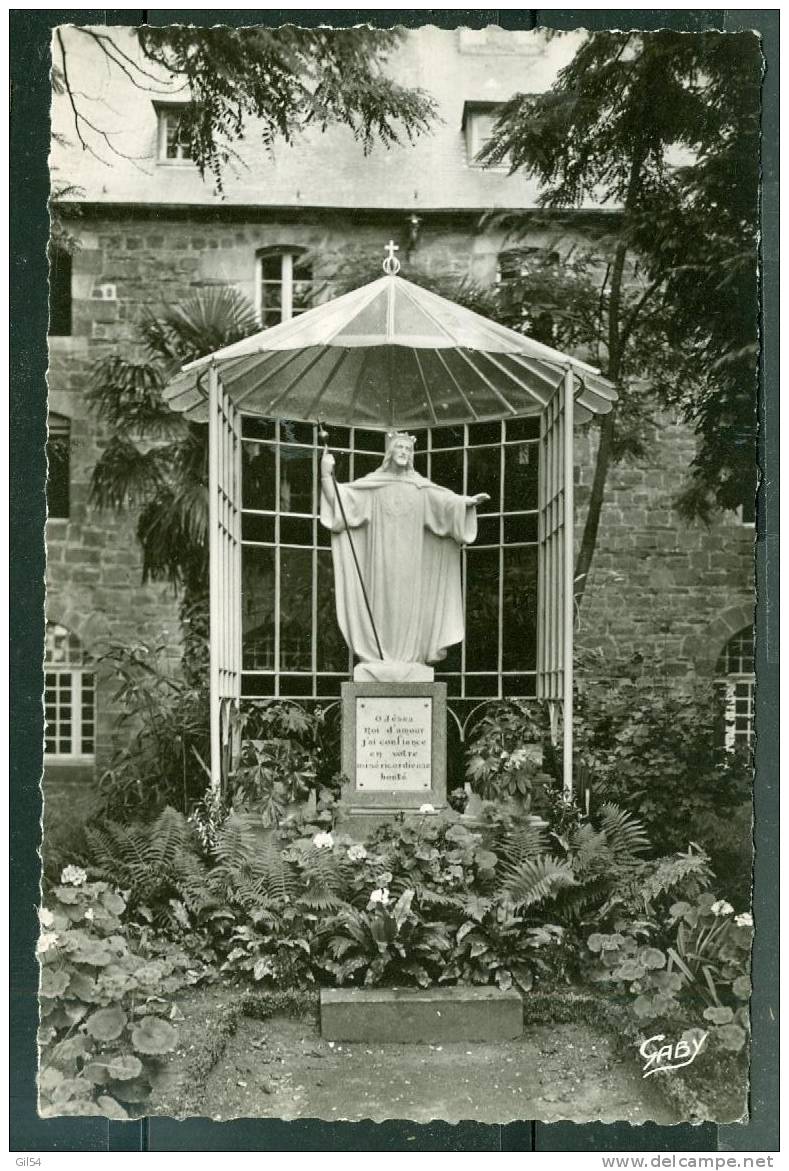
[
  {"x": 283, "y": 284},
  {"x": 736, "y": 678},
  {"x": 69, "y": 697},
  {"x": 59, "y": 466}
]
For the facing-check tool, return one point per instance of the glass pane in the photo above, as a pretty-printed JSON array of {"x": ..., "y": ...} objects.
[
  {"x": 329, "y": 685},
  {"x": 295, "y": 479},
  {"x": 523, "y": 428},
  {"x": 338, "y": 437},
  {"x": 257, "y": 476},
  {"x": 520, "y": 528},
  {"x": 488, "y": 528},
  {"x": 482, "y": 686},
  {"x": 257, "y": 528},
  {"x": 453, "y": 660},
  {"x": 364, "y": 464},
  {"x": 484, "y": 433},
  {"x": 331, "y": 648},
  {"x": 374, "y": 441},
  {"x": 484, "y": 475},
  {"x": 295, "y": 594},
  {"x": 520, "y": 477},
  {"x": 482, "y": 609},
  {"x": 519, "y": 638},
  {"x": 295, "y": 685},
  {"x": 421, "y": 438},
  {"x": 257, "y": 608},
  {"x": 253, "y": 685},
  {"x": 446, "y": 469},
  {"x": 420, "y": 462},
  {"x": 271, "y": 267},
  {"x": 297, "y": 432},
  {"x": 446, "y": 437},
  {"x": 524, "y": 685},
  {"x": 453, "y": 682},
  {"x": 253, "y": 427},
  {"x": 295, "y": 530}
]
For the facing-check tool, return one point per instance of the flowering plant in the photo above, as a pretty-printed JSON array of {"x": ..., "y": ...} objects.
[{"x": 103, "y": 1017}]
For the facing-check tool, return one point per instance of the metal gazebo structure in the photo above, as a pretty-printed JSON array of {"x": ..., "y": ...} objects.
[{"x": 392, "y": 355}]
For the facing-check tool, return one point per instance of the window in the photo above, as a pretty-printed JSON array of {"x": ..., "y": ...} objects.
[
  {"x": 173, "y": 145},
  {"x": 736, "y": 679},
  {"x": 59, "y": 291},
  {"x": 284, "y": 285},
  {"x": 69, "y": 697},
  {"x": 292, "y": 646},
  {"x": 477, "y": 125},
  {"x": 59, "y": 461}
]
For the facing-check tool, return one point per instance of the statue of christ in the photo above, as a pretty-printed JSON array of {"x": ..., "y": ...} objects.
[{"x": 406, "y": 534}]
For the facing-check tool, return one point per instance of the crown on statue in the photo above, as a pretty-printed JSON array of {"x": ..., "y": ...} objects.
[{"x": 393, "y": 436}]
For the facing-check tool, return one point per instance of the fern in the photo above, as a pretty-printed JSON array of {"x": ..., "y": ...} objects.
[
  {"x": 520, "y": 841},
  {"x": 674, "y": 873},
  {"x": 624, "y": 834},
  {"x": 327, "y": 880},
  {"x": 249, "y": 869},
  {"x": 536, "y": 880}
]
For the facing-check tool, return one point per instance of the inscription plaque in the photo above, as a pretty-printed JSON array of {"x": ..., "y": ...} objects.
[{"x": 393, "y": 743}]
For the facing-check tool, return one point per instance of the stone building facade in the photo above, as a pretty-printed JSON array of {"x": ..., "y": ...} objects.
[{"x": 659, "y": 587}]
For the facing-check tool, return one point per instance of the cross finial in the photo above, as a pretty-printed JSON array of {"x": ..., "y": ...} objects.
[{"x": 391, "y": 263}]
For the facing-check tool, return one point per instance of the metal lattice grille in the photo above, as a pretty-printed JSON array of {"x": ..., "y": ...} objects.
[
  {"x": 550, "y": 657},
  {"x": 292, "y": 646}
]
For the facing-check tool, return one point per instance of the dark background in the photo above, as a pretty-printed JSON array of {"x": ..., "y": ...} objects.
[{"x": 29, "y": 225}]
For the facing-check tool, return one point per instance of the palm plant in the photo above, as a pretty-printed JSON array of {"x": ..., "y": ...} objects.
[{"x": 154, "y": 460}]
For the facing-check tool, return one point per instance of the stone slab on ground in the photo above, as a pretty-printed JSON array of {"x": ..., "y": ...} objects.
[{"x": 429, "y": 1015}]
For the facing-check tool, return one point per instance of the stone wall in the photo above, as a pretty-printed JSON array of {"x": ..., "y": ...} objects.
[{"x": 661, "y": 587}]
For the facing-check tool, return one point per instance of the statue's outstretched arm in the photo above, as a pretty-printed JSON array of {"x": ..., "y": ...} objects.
[{"x": 475, "y": 501}]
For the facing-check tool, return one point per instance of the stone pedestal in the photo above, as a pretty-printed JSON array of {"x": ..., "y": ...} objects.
[{"x": 394, "y": 751}]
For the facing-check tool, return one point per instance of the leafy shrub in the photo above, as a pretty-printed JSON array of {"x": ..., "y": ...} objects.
[
  {"x": 504, "y": 756},
  {"x": 165, "y": 724},
  {"x": 103, "y": 1016},
  {"x": 657, "y": 749},
  {"x": 696, "y": 962},
  {"x": 286, "y": 753}
]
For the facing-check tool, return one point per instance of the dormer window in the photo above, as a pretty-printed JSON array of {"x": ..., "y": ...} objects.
[
  {"x": 477, "y": 125},
  {"x": 173, "y": 145}
]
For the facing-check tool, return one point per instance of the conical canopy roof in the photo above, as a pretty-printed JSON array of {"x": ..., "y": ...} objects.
[{"x": 390, "y": 354}]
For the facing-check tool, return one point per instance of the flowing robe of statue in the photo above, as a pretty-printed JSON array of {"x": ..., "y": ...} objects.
[{"x": 407, "y": 533}]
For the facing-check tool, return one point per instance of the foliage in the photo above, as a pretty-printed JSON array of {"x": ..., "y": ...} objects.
[
  {"x": 104, "y": 1010},
  {"x": 505, "y": 752},
  {"x": 166, "y": 718},
  {"x": 154, "y": 461},
  {"x": 658, "y": 748},
  {"x": 395, "y": 945},
  {"x": 665, "y": 127},
  {"x": 153, "y": 862},
  {"x": 275, "y": 82},
  {"x": 280, "y": 758},
  {"x": 694, "y": 963}
]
